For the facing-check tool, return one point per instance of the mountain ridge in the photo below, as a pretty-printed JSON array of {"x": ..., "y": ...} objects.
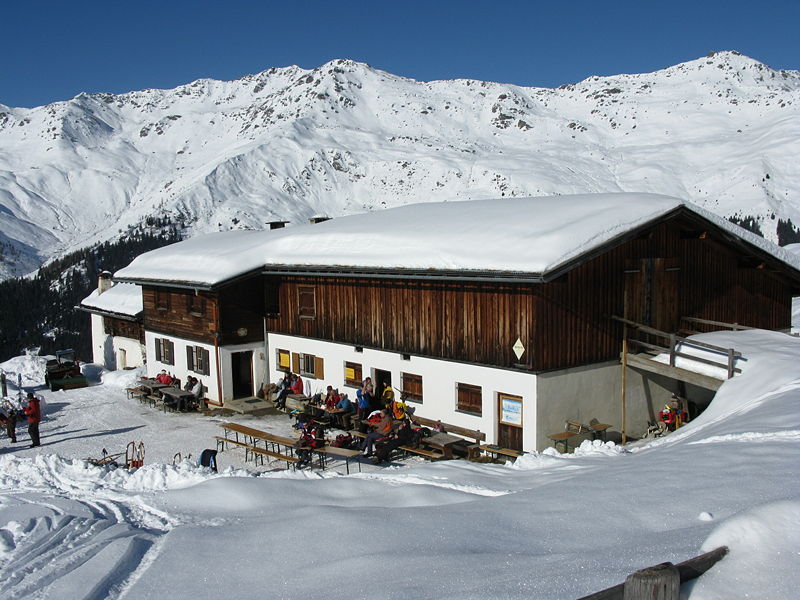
[{"x": 288, "y": 143}]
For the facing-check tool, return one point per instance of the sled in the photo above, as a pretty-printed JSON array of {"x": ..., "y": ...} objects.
[{"x": 134, "y": 457}]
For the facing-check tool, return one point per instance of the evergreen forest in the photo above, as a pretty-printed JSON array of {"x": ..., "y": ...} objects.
[{"x": 39, "y": 311}]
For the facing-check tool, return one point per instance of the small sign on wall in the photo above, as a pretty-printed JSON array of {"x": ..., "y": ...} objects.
[
  {"x": 518, "y": 348},
  {"x": 511, "y": 410}
]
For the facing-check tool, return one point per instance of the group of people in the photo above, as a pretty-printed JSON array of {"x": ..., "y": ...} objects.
[
  {"x": 193, "y": 385},
  {"x": 9, "y": 416},
  {"x": 291, "y": 383},
  {"x": 386, "y": 435}
]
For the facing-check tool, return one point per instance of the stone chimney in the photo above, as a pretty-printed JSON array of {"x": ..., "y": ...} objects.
[{"x": 103, "y": 282}]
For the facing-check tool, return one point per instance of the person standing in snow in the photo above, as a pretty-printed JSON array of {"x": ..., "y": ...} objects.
[
  {"x": 34, "y": 416},
  {"x": 10, "y": 418}
]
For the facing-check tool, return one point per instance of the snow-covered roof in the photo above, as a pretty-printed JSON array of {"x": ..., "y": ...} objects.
[
  {"x": 121, "y": 299},
  {"x": 507, "y": 235}
]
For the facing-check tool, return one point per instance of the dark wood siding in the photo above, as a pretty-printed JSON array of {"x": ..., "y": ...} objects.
[
  {"x": 562, "y": 323},
  {"x": 692, "y": 277},
  {"x": 468, "y": 322},
  {"x": 242, "y": 312},
  {"x": 124, "y": 328},
  {"x": 177, "y": 320}
]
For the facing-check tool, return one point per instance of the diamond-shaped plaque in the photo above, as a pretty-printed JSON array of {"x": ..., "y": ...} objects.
[{"x": 518, "y": 348}]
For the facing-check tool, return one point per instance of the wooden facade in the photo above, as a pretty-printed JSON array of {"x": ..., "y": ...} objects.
[
  {"x": 233, "y": 314},
  {"x": 682, "y": 266},
  {"x": 123, "y": 328}
]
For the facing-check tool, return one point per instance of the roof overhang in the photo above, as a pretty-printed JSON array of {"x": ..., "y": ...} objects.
[
  {"x": 107, "y": 313},
  {"x": 197, "y": 286}
]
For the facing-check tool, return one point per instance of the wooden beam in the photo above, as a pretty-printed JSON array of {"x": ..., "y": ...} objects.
[{"x": 636, "y": 361}]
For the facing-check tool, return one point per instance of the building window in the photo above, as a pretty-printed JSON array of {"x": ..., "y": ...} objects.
[
  {"x": 306, "y": 302},
  {"x": 412, "y": 387},
  {"x": 469, "y": 398},
  {"x": 197, "y": 360},
  {"x": 308, "y": 365},
  {"x": 352, "y": 374},
  {"x": 282, "y": 360},
  {"x": 162, "y": 299},
  {"x": 165, "y": 351},
  {"x": 196, "y": 305},
  {"x": 272, "y": 303}
]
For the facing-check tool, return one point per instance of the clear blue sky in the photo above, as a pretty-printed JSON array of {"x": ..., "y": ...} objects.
[{"x": 52, "y": 50}]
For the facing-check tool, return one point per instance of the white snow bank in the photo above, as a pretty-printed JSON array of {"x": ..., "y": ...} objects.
[{"x": 764, "y": 544}]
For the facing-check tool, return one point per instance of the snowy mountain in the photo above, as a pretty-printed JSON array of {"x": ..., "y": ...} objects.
[{"x": 286, "y": 144}]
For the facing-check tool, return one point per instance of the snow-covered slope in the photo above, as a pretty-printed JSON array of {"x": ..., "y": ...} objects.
[
  {"x": 722, "y": 131},
  {"x": 549, "y": 526}
]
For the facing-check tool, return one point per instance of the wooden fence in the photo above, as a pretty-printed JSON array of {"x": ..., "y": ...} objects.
[
  {"x": 673, "y": 341},
  {"x": 660, "y": 582}
]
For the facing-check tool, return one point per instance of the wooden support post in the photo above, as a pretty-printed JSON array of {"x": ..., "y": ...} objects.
[
  {"x": 671, "y": 349},
  {"x": 731, "y": 358},
  {"x": 661, "y": 582},
  {"x": 624, "y": 381}
]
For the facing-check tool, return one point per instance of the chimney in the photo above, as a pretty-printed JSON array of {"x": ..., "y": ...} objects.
[
  {"x": 315, "y": 220},
  {"x": 103, "y": 282}
]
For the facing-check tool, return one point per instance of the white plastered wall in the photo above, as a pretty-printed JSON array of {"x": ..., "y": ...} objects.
[
  {"x": 258, "y": 366},
  {"x": 180, "y": 368},
  {"x": 439, "y": 379},
  {"x": 106, "y": 348}
]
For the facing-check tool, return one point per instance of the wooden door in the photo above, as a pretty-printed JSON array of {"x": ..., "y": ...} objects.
[
  {"x": 509, "y": 421},
  {"x": 651, "y": 292}
]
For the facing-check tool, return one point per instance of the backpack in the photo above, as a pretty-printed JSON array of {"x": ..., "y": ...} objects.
[
  {"x": 208, "y": 458},
  {"x": 343, "y": 440},
  {"x": 398, "y": 410}
]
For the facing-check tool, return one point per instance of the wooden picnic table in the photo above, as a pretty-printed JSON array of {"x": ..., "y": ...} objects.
[
  {"x": 181, "y": 397},
  {"x": 250, "y": 432},
  {"x": 340, "y": 417},
  {"x": 346, "y": 453},
  {"x": 443, "y": 442},
  {"x": 151, "y": 386}
]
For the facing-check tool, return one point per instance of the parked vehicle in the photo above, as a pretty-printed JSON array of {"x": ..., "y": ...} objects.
[{"x": 64, "y": 372}]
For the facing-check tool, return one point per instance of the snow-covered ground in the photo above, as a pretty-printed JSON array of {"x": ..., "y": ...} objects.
[{"x": 549, "y": 526}]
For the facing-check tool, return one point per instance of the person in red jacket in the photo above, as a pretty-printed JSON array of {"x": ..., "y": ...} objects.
[
  {"x": 297, "y": 385},
  {"x": 34, "y": 416}
]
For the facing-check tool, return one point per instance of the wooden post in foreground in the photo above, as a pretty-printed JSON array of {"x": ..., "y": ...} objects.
[
  {"x": 661, "y": 582},
  {"x": 624, "y": 381}
]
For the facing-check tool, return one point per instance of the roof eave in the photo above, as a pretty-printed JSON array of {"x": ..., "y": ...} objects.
[
  {"x": 406, "y": 274},
  {"x": 110, "y": 313}
]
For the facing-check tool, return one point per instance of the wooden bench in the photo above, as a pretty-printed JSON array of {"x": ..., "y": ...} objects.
[
  {"x": 221, "y": 441},
  {"x": 153, "y": 399},
  {"x": 137, "y": 393},
  {"x": 475, "y": 434},
  {"x": 500, "y": 451},
  {"x": 431, "y": 454},
  {"x": 290, "y": 460}
]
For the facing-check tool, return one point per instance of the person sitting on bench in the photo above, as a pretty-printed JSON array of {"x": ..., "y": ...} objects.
[
  {"x": 380, "y": 430},
  {"x": 401, "y": 437}
]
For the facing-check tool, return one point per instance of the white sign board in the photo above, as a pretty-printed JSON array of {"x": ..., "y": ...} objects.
[{"x": 511, "y": 411}]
